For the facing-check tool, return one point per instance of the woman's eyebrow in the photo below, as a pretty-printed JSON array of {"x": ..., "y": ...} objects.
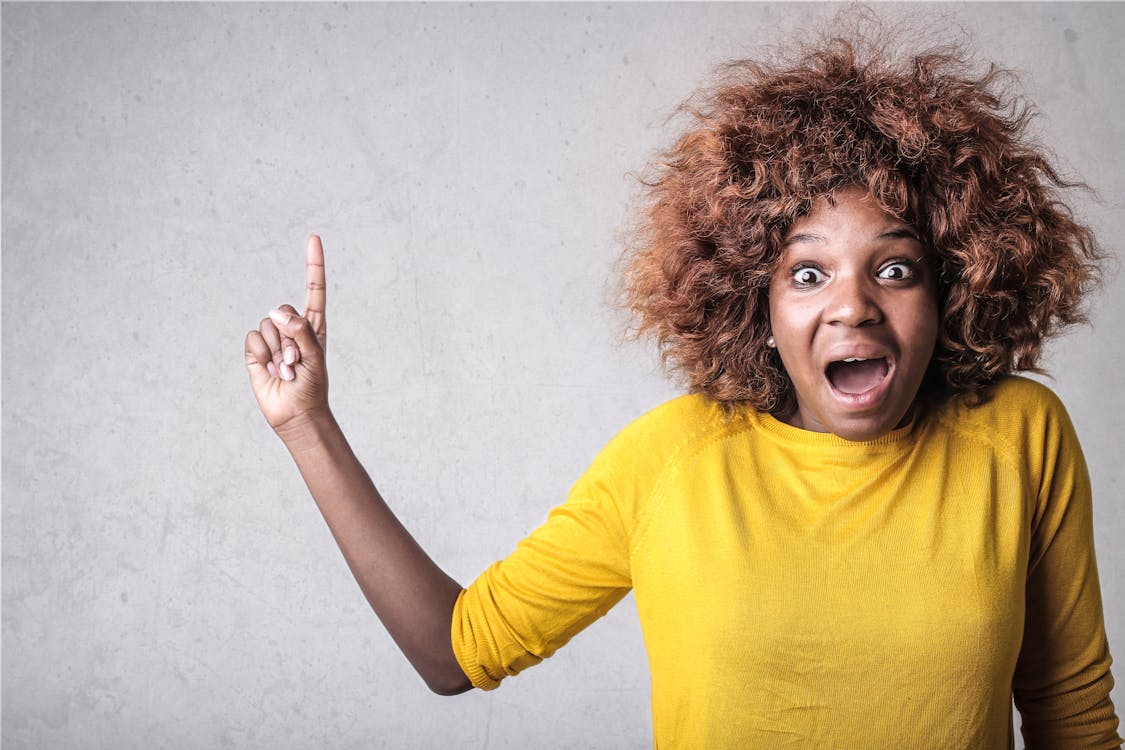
[
  {"x": 803, "y": 237},
  {"x": 901, "y": 233}
]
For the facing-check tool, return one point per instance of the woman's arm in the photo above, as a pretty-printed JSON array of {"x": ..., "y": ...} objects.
[
  {"x": 1062, "y": 680},
  {"x": 412, "y": 596}
]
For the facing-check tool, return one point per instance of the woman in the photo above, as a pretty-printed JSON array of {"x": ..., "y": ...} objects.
[{"x": 859, "y": 529}]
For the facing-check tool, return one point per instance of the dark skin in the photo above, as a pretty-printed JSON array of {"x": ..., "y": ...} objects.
[
  {"x": 853, "y": 283},
  {"x": 412, "y": 596}
]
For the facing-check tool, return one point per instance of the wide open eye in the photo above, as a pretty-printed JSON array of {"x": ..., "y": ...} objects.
[
  {"x": 808, "y": 276},
  {"x": 898, "y": 271}
]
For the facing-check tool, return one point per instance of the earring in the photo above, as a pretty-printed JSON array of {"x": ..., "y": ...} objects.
[{"x": 771, "y": 343}]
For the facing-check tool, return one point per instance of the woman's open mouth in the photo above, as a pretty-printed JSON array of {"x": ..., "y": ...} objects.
[
  {"x": 856, "y": 375},
  {"x": 859, "y": 381}
]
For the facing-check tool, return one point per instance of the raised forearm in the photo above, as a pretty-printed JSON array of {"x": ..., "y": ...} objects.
[{"x": 412, "y": 596}]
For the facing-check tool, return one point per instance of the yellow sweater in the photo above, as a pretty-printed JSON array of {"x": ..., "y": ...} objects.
[{"x": 796, "y": 590}]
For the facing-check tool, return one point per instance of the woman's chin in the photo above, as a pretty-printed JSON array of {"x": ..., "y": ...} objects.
[{"x": 856, "y": 417}]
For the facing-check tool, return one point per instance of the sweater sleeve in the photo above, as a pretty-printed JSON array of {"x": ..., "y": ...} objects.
[
  {"x": 1062, "y": 680},
  {"x": 563, "y": 576}
]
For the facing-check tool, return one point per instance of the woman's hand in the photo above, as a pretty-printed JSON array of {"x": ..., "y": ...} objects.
[{"x": 285, "y": 356}]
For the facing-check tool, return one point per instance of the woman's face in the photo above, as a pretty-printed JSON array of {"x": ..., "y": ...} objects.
[{"x": 853, "y": 310}]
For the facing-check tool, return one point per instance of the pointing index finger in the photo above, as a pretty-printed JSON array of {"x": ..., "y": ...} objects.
[{"x": 314, "y": 282}]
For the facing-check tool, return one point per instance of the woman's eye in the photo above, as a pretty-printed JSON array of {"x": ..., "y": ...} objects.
[
  {"x": 808, "y": 276},
  {"x": 897, "y": 272}
]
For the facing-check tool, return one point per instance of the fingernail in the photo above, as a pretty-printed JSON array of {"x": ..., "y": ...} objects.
[
  {"x": 271, "y": 369},
  {"x": 279, "y": 317},
  {"x": 290, "y": 355},
  {"x": 286, "y": 372}
]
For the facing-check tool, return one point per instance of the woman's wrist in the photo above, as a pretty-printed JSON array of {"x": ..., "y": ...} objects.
[{"x": 308, "y": 430}]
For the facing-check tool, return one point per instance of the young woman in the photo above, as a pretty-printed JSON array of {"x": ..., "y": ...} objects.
[{"x": 859, "y": 529}]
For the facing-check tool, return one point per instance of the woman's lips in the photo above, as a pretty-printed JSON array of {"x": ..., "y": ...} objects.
[
  {"x": 856, "y": 375},
  {"x": 862, "y": 383}
]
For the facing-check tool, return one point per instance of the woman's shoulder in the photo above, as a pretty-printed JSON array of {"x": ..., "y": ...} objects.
[
  {"x": 682, "y": 422},
  {"x": 1025, "y": 392},
  {"x": 637, "y": 461},
  {"x": 1012, "y": 397},
  {"x": 691, "y": 409},
  {"x": 1012, "y": 414},
  {"x": 667, "y": 433}
]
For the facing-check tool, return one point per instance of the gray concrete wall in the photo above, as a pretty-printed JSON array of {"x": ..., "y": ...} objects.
[{"x": 167, "y": 583}]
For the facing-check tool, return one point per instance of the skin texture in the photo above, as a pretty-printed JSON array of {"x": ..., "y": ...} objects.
[
  {"x": 412, "y": 596},
  {"x": 853, "y": 281}
]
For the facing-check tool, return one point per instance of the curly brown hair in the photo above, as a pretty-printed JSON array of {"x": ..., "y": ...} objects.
[{"x": 935, "y": 145}]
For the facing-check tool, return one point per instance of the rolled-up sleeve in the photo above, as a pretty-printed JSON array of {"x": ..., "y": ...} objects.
[{"x": 567, "y": 573}]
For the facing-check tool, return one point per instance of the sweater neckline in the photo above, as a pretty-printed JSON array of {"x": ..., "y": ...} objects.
[{"x": 813, "y": 439}]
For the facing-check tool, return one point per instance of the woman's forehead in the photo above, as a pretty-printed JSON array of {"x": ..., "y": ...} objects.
[{"x": 852, "y": 213}]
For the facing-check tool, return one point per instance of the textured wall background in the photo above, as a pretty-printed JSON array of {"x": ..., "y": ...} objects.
[{"x": 167, "y": 583}]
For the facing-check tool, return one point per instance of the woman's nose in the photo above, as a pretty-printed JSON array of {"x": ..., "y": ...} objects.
[{"x": 854, "y": 302}]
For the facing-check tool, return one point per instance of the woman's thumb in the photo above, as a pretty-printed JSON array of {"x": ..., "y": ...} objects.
[{"x": 290, "y": 324}]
